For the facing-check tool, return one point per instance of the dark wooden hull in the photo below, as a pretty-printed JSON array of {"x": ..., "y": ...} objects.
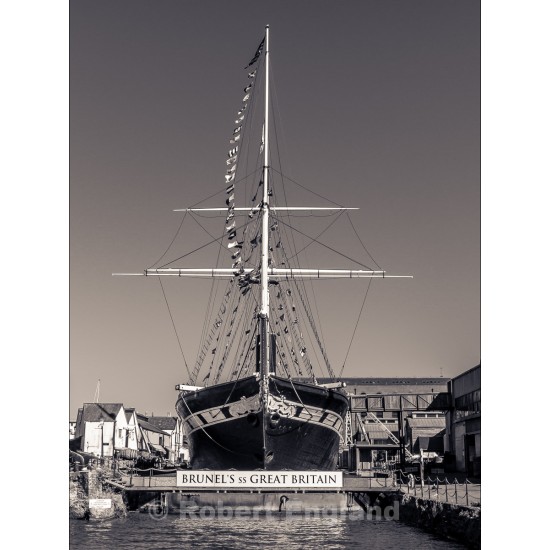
[{"x": 239, "y": 425}]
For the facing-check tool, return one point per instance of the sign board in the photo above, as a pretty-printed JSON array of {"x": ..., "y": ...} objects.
[
  {"x": 99, "y": 502},
  {"x": 256, "y": 479}
]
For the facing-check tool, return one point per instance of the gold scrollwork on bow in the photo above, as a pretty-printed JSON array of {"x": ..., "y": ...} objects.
[{"x": 245, "y": 405}]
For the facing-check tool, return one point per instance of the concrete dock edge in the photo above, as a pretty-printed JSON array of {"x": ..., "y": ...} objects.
[{"x": 452, "y": 521}]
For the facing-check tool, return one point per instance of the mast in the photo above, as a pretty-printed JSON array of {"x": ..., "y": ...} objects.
[{"x": 264, "y": 311}]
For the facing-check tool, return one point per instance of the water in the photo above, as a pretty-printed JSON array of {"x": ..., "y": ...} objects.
[{"x": 141, "y": 531}]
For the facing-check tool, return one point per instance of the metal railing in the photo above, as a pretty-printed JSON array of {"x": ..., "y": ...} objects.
[{"x": 439, "y": 489}]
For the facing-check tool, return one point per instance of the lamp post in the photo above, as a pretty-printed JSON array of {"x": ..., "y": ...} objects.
[{"x": 421, "y": 468}]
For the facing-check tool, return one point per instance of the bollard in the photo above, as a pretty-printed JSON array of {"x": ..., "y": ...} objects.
[
  {"x": 430, "y": 491},
  {"x": 446, "y": 492},
  {"x": 456, "y": 493},
  {"x": 466, "y": 492}
]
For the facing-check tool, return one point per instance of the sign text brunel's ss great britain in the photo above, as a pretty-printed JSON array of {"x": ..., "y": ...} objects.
[{"x": 257, "y": 479}]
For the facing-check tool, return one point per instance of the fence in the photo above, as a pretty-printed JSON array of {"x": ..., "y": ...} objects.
[{"x": 440, "y": 489}]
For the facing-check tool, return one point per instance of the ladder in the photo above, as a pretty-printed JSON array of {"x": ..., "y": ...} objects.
[
  {"x": 348, "y": 435},
  {"x": 348, "y": 438},
  {"x": 365, "y": 434},
  {"x": 372, "y": 416}
]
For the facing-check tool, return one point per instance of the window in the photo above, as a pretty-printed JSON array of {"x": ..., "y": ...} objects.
[
  {"x": 470, "y": 402},
  {"x": 120, "y": 432},
  {"x": 161, "y": 440}
]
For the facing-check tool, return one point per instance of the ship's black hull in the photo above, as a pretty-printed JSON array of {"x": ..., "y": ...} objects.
[{"x": 244, "y": 426}]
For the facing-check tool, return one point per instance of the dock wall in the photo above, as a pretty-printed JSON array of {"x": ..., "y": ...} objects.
[
  {"x": 460, "y": 523},
  {"x": 265, "y": 502},
  {"x": 87, "y": 485}
]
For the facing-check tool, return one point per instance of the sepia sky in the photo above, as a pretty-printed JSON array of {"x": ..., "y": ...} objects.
[{"x": 379, "y": 102}]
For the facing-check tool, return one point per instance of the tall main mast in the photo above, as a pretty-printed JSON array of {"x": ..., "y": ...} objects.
[
  {"x": 266, "y": 347},
  {"x": 264, "y": 312}
]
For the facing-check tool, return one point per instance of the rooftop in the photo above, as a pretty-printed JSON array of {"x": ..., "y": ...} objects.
[
  {"x": 163, "y": 422},
  {"x": 432, "y": 422},
  {"x": 145, "y": 425},
  {"x": 384, "y": 381},
  {"x": 96, "y": 412}
]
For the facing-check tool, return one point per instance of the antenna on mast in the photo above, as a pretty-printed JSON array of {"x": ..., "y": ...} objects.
[{"x": 97, "y": 388}]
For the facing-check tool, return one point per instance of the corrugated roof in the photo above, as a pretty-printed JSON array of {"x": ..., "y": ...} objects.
[
  {"x": 96, "y": 412},
  {"x": 378, "y": 429},
  {"x": 379, "y": 446},
  {"x": 426, "y": 423},
  {"x": 465, "y": 373},
  {"x": 163, "y": 422}
]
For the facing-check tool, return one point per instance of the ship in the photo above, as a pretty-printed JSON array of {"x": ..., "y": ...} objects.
[{"x": 252, "y": 400}]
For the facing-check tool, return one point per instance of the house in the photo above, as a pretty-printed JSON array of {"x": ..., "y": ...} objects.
[
  {"x": 72, "y": 429},
  {"x": 177, "y": 445},
  {"x": 426, "y": 431},
  {"x": 106, "y": 427},
  {"x": 152, "y": 439},
  {"x": 130, "y": 436}
]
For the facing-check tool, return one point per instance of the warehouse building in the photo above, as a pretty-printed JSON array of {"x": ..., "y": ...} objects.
[{"x": 463, "y": 422}]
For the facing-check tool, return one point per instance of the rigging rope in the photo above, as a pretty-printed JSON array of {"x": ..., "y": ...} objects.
[
  {"x": 215, "y": 328},
  {"x": 213, "y": 291},
  {"x": 228, "y": 346},
  {"x": 355, "y": 329},
  {"x": 306, "y": 188},
  {"x": 359, "y": 238},
  {"x": 315, "y": 239},
  {"x": 326, "y": 246},
  {"x": 316, "y": 334},
  {"x": 292, "y": 324},
  {"x": 172, "y": 241},
  {"x": 305, "y": 301},
  {"x": 242, "y": 358},
  {"x": 174, "y": 326},
  {"x": 218, "y": 239}
]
